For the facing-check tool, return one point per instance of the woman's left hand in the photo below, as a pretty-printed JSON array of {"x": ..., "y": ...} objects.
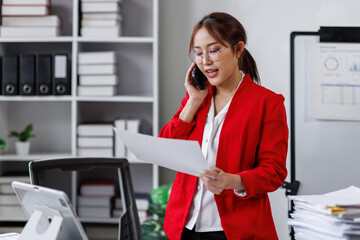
[{"x": 216, "y": 180}]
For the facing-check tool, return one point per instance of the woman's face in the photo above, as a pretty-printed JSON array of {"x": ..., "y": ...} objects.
[{"x": 219, "y": 71}]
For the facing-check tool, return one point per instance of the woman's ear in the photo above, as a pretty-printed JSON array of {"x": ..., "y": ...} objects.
[{"x": 239, "y": 48}]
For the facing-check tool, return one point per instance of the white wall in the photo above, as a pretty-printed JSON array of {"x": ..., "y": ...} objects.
[{"x": 268, "y": 25}]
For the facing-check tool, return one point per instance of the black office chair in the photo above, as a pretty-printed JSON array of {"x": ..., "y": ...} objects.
[{"x": 129, "y": 224}]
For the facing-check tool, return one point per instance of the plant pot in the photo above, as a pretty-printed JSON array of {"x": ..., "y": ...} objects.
[{"x": 22, "y": 148}]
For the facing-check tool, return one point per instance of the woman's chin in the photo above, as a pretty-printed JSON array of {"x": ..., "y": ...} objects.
[{"x": 214, "y": 81}]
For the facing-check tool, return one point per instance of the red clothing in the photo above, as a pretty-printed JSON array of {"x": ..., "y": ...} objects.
[{"x": 253, "y": 143}]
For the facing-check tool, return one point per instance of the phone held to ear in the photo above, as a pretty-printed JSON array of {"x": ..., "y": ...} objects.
[{"x": 199, "y": 78}]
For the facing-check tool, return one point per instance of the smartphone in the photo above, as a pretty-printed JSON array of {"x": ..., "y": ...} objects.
[{"x": 198, "y": 77}]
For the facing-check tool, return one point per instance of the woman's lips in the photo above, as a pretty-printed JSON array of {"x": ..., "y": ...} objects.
[{"x": 211, "y": 72}]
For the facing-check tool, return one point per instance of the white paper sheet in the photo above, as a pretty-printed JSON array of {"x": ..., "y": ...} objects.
[
  {"x": 334, "y": 80},
  {"x": 345, "y": 197},
  {"x": 179, "y": 155}
]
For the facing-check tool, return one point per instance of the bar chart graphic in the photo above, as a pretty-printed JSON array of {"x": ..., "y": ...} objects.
[{"x": 355, "y": 67}]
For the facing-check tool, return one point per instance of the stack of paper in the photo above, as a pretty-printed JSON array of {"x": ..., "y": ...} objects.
[
  {"x": 28, "y": 18},
  {"x": 101, "y": 18},
  {"x": 95, "y": 140},
  {"x": 131, "y": 125},
  {"x": 10, "y": 207},
  {"x": 95, "y": 197},
  {"x": 97, "y": 73},
  {"x": 330, "y": 216}
]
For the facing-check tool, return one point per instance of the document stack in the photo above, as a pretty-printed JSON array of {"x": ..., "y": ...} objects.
[
  {"x": 10, "y": 207},
  {"x": 117, "y": 209},
  {"x": 331, "y": 216},
  {"x": 103, "y": 232},
  {"x": 95, "y": 140},
  {"x": 142, "y": 203},
  {"x": 95, "y": 197},
  {"x": 101, "y": 18},
  {"x": 97, "y": 73},
  {"x": 131, "y": 125},
  {"x": 28, "y": 18}
]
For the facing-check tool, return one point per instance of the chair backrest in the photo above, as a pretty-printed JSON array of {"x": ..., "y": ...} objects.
[{"x": 129, "y": 224}]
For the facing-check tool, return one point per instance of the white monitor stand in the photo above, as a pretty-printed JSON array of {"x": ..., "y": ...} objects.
[{"x": 44, "y": 224}]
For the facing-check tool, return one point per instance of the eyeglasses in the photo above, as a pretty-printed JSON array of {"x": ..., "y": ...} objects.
[{"x": 213, "y": 55}]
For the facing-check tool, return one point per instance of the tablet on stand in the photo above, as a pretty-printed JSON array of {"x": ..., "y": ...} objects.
[{"x": 51, "y": 215}]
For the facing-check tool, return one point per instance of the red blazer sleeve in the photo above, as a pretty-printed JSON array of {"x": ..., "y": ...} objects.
[
  {"x": 270, "y": 172},
  {"x": 177, "y": 128}
]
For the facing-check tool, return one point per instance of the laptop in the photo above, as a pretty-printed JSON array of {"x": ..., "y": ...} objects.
[{"x": 49, "y": 201}]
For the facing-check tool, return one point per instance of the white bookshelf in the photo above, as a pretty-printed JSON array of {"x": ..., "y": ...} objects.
[
  {"x": 33, "y": 156},
  {"x": 36, "y": 39},
  {"x": 55, "y": 118}
]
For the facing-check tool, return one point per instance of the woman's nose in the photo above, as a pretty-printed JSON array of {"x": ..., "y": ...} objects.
[{"x": 205, "y": 59}]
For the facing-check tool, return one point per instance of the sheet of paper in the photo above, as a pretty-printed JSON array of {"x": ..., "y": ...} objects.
[
  {"x": 334, "y": 80},
  {"x": 179, "y": 155},
  {"x": 345, "y": 197}
]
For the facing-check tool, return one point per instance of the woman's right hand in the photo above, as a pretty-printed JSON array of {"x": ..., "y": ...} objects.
[
  {"x": 194, "y": 93},
  {"x": 196, "y": 97}
]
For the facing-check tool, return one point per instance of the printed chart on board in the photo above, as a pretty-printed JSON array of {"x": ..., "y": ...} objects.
[{"x": 334, "y": 81}]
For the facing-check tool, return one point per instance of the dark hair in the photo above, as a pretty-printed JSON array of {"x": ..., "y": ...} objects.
[{"x": 225, "y": 28}]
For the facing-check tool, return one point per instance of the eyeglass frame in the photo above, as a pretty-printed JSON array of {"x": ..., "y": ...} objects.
[{"x": 202, "y": 57}]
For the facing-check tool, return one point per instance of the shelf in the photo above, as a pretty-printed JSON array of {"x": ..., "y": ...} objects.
[
  {"x": 137, "y": 161},
  {"x": 31, "y": 157},
  {"x": 119, "y": 39},
  {"x": 36, "y": 98},
  {"x": 79, "y": 39},
  {"x": 145, "y": 99},
  {"x": 116, "y": 99},
  {"x": 37, "y": 156},
  {"x": 36, "y": 39},
  {"x": 99, "y": 220},
  {"x": 13, "y": 220}
]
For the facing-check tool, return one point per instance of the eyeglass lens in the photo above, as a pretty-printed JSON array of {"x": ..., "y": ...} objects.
[{"x": 199, "y": 58}]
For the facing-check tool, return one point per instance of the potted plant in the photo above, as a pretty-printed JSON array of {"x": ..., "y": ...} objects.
[
  {"x": 23, "y": 145},
  {"x": 2, "y": 144},
  {"x": 152, "y": 228}
]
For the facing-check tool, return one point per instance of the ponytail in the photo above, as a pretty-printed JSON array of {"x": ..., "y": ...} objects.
[{"x": 248, "y": 64}]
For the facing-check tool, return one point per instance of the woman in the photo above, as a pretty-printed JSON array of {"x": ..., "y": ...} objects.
[{"x": 243, "y": 134}]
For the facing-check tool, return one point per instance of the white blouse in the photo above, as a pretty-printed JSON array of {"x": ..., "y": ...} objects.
[{"x": 203, "y": 213}]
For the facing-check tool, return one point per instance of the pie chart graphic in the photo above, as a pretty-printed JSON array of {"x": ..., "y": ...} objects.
[{"x": 331, "y": 64}]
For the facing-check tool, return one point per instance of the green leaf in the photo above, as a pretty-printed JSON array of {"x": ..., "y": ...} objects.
[
  {"x": 29, "y": 128},
  {"x": 24, "y": 135},
  {"x": 157, "y": 209},
  {"x": 152, "y": 229},
  {"x": 151, "y": 224},
  {"x": 2, "y": 143},
  {"x": 14, "y": 134},
  {"x": 160, "y": 195}
]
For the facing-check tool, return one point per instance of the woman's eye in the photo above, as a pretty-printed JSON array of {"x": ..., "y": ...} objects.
[
  {"x": 198, "y": 53},
  {"x": 214, "y": 51}
]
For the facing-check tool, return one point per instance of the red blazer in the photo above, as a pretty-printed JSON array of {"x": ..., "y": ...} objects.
[{"x": 253, "y": 143}]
